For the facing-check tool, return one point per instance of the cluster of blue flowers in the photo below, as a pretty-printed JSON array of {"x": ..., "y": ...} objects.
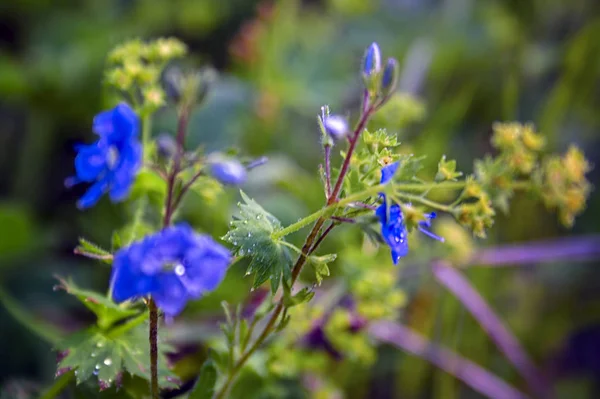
[
  {"x": 110, "y": 163},
  {"x": 393, "y": 228},
  {"x": 173, "y": 266}
]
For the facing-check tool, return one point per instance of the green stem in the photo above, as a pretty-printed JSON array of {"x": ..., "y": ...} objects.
[
  {"x": 424, "y": 201},
  {"x": 146, "y": 130},
  {"x": 59, "y": 385},
  {"x": 397, "y": 189}
]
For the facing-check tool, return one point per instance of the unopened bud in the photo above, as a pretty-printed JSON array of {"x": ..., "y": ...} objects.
[
  {"x": 336, "y": 127},
  {"x": 372, "y": 61},
  {"x": 390, "y": 77}
]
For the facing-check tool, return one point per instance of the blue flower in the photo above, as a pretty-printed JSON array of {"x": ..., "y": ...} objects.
[
  {"x": 173, "y": 266},
  {"x": 393, "y": 228},
  {"x": 112, "y": 162},
  {"x": 229, "y": 171}
]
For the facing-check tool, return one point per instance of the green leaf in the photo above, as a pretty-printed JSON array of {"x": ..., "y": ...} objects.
[
  {"x": 289, "y": 300},
  {"x": 105, "y": 310},
  {"x": 93, "y": 352},
  {"x": 410, "y": 165},
  {"x": 87, "y": 248},
  {"x": 148, "y": 184},
  {"x": 205, "y": 387},
  {"x": 320, "y": 264},
  {"x": 251, "y": 235}
]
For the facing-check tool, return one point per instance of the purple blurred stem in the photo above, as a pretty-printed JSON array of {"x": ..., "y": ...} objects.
[
  {"x": 454, "y": 281},
  {"x": 470, "y": 373},
  {"x": 576, "y": 248}
]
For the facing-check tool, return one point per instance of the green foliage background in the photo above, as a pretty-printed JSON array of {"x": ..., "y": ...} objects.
[{"x": 470, "y": 62}]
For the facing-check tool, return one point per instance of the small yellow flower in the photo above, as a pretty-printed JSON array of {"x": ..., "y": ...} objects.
[{"x": 575, "y": 164}]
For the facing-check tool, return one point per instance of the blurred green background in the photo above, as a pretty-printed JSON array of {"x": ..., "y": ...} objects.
[{"x": 470, "y": 62}]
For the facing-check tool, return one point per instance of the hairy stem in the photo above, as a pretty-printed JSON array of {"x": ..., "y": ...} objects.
[
  {"x": 362, "y": 122},
  {"x": 153, "y": 338},
  {"x": 168, "y": 214}
]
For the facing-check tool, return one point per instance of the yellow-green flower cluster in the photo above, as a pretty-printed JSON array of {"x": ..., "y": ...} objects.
[
  {"x": 564, "y": 186},
  {"x": 476, "y": 213},
  {"x": 135, "y": 69},
  {"x": 520, "y": 145}
]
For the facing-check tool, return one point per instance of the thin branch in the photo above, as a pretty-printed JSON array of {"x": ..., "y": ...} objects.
[
  {"x": 186, "y": 187},
  {"x": 322, "y": 237},
  {"x": 343, "y": 219},
  {"x": 456, "y": 283},
  {"x": 469, "y": 372}
]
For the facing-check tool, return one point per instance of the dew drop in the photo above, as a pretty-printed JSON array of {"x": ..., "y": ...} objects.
[
  {"x": 76, "y": 372},
  {"x": 249, "y": 235},
  {"x": 93, "y": 354},
  {"x": 252, "y": 289},
  {"x": 234, "y": 243},
  {"x": 242, "y": 252},
  {"x": 248, "y": 273},
  {"x": 258, "y": 217},
  {"x": 179, "y": 270},
  {"x": 107, "y": 361},
  {"x": 245, "y": 222},
  {"x": 97, "y": 367},
  {"x": 100, "y": 344}
]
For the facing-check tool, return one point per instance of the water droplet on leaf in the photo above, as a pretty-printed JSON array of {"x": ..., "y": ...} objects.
[{"x": 108, "y": 361}]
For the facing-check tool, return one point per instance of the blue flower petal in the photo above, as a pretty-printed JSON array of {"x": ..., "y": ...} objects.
[
  {"x": 205, "y": 267},
  {"x": 170, "y": 294},
  {"x": 103, "y": 123},
  {"x": 388, "y": 171},
  {"x": 90, "y": 161},
  {"x": 127, "y": 280},
  {"x": 92, "y": 195},
  {"x": 126, "y": 121}
]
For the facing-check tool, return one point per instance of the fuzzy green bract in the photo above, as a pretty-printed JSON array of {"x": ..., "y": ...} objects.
[{"x": 252, "y": 235}]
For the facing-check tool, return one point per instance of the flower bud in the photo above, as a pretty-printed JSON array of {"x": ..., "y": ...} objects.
[
  {"x": 390, "y": 77},
  {"x": 166, "y": 146},
  {"x": 229, "y": 171},
  {"x": 173, "y": 81},
  {"x": 336, "y": 127},
  {"x": 372, "y": 61}
]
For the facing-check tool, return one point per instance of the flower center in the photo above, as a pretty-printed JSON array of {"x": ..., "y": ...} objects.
[
  {"x": 112, "y": 158},
  {"x": 179, "y": 270}
]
